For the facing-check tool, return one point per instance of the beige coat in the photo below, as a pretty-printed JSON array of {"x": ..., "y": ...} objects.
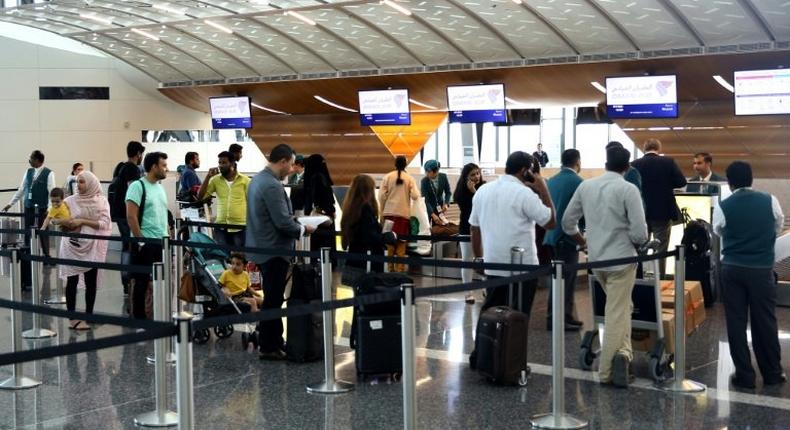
[{"x": 394, "y": 199}]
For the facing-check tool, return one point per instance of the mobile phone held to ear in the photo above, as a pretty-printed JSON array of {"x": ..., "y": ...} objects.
[{"x": 529, "y": 173}]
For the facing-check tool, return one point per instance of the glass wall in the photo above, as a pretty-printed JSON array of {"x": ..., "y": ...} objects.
[{"x": 557, "y": 131}]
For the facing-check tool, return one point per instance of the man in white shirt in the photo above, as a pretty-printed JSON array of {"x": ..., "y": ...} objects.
[
  {"x": 504, "y": 213},
  {"x": 615, "y": 219},
  {"x": 37, "y": 182}
]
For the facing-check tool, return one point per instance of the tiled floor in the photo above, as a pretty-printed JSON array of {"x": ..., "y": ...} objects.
[{"x": 106, "y": 389}]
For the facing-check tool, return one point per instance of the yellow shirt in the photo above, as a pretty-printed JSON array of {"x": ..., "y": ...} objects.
[
  {"x": 236, "y": 284},
  {"x": 61, "y": 212},
  {"x": 231, "y": 199}
]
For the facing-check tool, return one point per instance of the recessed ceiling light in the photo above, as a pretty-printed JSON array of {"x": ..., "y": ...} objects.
[
  {"x": 517, "y": 1},
  {"x": 145, "y": 34},
  {"x": 426, "y": 106},
  {"x": 169, "y": 9},
  {"x": 396, "y": 6},
  {"x": 598, "y": 86},
  {"x": 105, "y": 21},
  {"x": 723, "y": 82},
  {"x": 269, "y": 109},
  {"x": 333, "y": 104},
  {"x": 300, "y": 17},
  {"x": 218, "y": 26}
]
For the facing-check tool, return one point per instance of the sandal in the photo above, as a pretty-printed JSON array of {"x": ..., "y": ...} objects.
[{"x": 81, "y": 326}]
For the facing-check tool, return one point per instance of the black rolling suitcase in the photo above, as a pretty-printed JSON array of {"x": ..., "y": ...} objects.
[
  {"x": 305, "y": 332},
  {"x": 376, "y": 329},
  {"x": 702, "y": 258},
  {"x": 501, "y": 344}
]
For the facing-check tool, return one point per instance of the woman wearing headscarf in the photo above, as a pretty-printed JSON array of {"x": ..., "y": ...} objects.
[
  {"x": 90, "y": 214},
  {"x": 319, "y": 199}
]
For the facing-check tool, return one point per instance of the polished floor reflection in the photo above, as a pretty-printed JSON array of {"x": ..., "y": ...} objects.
[{"x": 106, "y": 389}]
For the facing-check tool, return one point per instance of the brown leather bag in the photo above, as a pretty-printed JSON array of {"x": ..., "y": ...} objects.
[
  {"x": 187, "y": 290},
  {"x": 448, "y": 229}
]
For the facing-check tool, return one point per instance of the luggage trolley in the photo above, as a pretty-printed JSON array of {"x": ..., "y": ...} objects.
[{"x": 646, "y": 315}]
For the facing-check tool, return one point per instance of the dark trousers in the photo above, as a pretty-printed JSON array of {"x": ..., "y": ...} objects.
[
  {"x": 498, "y": 296},
  {"x": 660, "y": 230},
  {"x": 567, "y": 253},
  {"x": 125, "y": 232},
  {"x": 145, "y": 255},
  {"x": 90, "y": 290},
  {"x": 274, "y": 276},
  {"x": 224, "y": 237},
  {"x": 751, "y": 290},
  {"x": 33, "y": 217}
]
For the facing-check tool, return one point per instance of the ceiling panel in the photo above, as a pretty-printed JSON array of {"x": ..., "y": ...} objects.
[
  {"x": 720, "y": 22},
  {"x": 256, "y": 58},
  {"x": 204, "y": 50},
  {"x": 372, "y": 42},
  {"x": 40, "y": 23},
  {"x": 649, "y": 22},
  {"x": 283, "y": 47},
  {"x": 135, "y": 57},
  {"x": 587, "y": 28},
  {"x": 420, "y": 39},
  {"x": 777, "y": 15},
  {"x": 325, "y": 44},
  {"x": 190, "y": 66},
  {"x": 532, "y": 37}
]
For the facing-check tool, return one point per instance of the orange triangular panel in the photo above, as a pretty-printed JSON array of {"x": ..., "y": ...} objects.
[{"x": 409, "y": 139}]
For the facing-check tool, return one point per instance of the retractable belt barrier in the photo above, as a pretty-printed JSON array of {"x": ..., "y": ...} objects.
[
  {"x": 87, "y": 264},
  {"x": 12, "y": 214},
  {"x": 590, "y": 265},
  {"x": 130, "y": 239},
  {"x": 12, "y": 231}
]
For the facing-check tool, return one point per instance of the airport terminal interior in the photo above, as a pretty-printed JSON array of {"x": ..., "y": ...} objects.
[{"x": 439, "y": 84}]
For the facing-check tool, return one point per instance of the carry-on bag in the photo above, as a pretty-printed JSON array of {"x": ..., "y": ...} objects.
[
  {"x": 501, "y": 345},
  {"x": 305, "y": 332}
]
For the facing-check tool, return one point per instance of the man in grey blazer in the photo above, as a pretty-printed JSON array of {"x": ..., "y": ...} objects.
[{"x": 271, "y": 224}]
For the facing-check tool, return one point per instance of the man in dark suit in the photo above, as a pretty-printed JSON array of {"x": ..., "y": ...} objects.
[
  {"x": 702, "y": 165},
  {"x": 660, "y": 176},
  {"x": 541, "y": 156}
]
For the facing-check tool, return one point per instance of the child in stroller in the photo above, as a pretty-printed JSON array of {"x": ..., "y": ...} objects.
[
  {"x": 207, "y": 266},
  {"x": 235, "y": 283}
]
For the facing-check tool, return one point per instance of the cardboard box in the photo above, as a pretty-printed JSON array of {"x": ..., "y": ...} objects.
[
  {"x": 694, "y": 300},
  {"x": 645, "y": 340}
]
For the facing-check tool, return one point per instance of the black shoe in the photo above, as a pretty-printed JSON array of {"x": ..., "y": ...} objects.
[
  {"x": 741, "y": 383},
  {"x": 781, "y": 379},
  {"x": 573, "y": 321},
  {"x": 276, "y": 355},
  {"x": 620, "y": 373},
  {"x": 568, "y": 326}
]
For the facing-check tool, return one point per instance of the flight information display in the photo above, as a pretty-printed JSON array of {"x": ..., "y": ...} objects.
[
  {"x": 384, "y": 107},
  {"x": 762, "y": 92},
  {"x": 476, "y": 103},
  {"x": 230, "y": 112},
  {"x": 642, "y": 97}
]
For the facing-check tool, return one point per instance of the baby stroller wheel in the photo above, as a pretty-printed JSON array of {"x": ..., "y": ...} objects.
[
  {"x": 245, "y": 340},
  {"x": 201, "y": 336},
  {"x": 223, "y": 332}
]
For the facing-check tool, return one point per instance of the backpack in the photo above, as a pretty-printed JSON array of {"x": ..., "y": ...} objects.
[
  {"x": 116, "y": 193},
  {"x": 697, "y": 238}
]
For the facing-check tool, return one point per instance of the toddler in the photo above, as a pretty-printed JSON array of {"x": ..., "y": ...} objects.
[
  {"x": 235, "y": 283},
  {"x": 58, "y": 211}
]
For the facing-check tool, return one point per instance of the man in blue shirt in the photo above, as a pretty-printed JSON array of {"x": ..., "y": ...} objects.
[
  {"x": 748, "y": 222},
  {"x": 190, "y": 182},
  {"x": 561, "y": 187}
]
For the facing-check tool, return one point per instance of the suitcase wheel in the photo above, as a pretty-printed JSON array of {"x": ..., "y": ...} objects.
[
  {"x": 223, "y": 332},
  {"x": 245, "y": 340},
  {"x": 522, "y": 380},
  {"x": 201, "y": 336}
]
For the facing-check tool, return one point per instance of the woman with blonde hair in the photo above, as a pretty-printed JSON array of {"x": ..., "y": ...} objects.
[{"x": 398, "y": 191}]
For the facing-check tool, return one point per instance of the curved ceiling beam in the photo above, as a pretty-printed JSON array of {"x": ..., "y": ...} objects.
[
  {"x": 759, "y": 18},
  {"x": 488, "y": 26},
  {"x": 293, "y": 40},
  {"x": 265, "y": 50},
  {"x": 442, "y": 36},
  {"x": 553, "y": 27},
  {"x": 381, "y": 32},
  {"x": 614, "y": 23},
  {"x": 678, "y": 15}
]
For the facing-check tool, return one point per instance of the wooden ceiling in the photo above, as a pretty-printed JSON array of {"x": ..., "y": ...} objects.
[{"x": 706, "y": 107}]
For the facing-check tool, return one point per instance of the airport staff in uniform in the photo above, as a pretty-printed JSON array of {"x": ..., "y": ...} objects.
[
  {"x": 703, "y": 162},
  {"x": 748, "y": 222}
]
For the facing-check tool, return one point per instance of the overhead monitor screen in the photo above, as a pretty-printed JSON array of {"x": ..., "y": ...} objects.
[
  {"x": 762, "y": 92},
  {"x": 230, "y": 112},
  {"x": 642, "y": 97},
  {"x": 477, "y": 103},
  {"x": 384, "y": 107}
]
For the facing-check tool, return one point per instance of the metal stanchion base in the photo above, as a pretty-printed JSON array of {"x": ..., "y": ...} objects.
[
  {"x": 38, "y": 333},
  {"x": 339, "y": 387},
  {"x": 55, "y": 300},
  {"x": 171, "y": 359},
  {"x": 153, "y": 419},
  {"x": 562, "y": 421},
  {"x": 19, "y": 383},
  {"x": 684, "y": 386}
]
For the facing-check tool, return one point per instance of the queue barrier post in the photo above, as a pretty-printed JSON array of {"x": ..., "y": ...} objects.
[
  {"x": 164, "y": 298},
  {"x": 161, "y": 416},
  {"x": 679, "y": 383},
  {"x": 185, "y": 396},
  {"x": 18, "y": 380},
  {"x": 329, "y": 385},
  {"x": 58, "y": 297},
  {"x": 408, "y": 380},
  {"x": 558, "y": 419},
  {"x": 179, "y": 255},
  {"x": 36, "y": 332}
]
